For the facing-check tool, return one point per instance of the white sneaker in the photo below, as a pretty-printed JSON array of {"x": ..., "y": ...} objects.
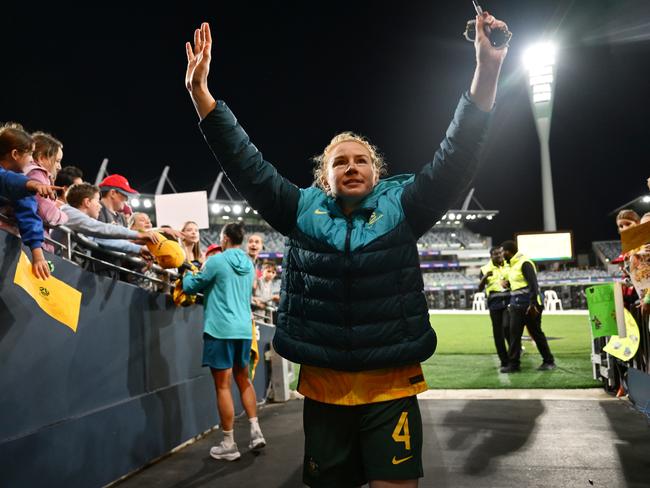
[
  {"x": 257, "y": 440},
  {"x": 221, "y": 451}
]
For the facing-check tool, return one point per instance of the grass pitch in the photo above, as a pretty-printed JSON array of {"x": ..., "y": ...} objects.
[{"x": 466, "y": 357}]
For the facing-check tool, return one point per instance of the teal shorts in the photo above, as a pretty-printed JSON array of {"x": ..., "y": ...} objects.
[
  {"x": 226, "y": 353},
  {"x": 349, "y": 446}
]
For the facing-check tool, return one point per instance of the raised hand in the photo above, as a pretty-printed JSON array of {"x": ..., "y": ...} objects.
[
  {"x": 488, "y": 63},
  {"x": 198, "y": 58},
  {"x": 198, "y": 68},
  {"x": 485, "y": 51}
]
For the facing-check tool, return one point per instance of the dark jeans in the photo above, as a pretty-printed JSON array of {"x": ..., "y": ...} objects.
[
  {"x": 500, "y": 332},
  {"x": 518, "y": 318}
]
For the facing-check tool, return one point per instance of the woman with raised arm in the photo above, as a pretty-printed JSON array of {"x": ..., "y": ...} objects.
[{"x": 352, "y": 309}]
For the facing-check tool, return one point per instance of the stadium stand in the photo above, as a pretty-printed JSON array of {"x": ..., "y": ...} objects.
[
  {"x": 606, "y": 251},
  {"x": 452, "y": 238}
]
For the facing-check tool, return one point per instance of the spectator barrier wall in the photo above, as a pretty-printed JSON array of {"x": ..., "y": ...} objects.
[{"x": 83, "y": 409}]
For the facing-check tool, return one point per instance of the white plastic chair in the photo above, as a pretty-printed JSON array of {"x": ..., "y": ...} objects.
[
  {"x": 479, "y": 301},
  {"x": 551, "y": 301}
]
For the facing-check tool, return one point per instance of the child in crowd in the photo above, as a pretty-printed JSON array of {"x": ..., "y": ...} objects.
[
  {"x": 626, "y": 218},
  {"x": 264, "y": 292},
  {"x": 46, "y": 163},
  {"x": 83, "y": 210},
  {"x": 68, "y": 176},
  {"x": 16, "y": 148}
]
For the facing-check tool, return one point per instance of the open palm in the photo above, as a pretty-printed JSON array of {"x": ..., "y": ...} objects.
[{"x": 198, "y": 58}]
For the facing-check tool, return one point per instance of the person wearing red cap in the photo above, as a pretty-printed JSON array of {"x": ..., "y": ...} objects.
[
  {"x": 213, "y": 249},
  {"x": 115, "y": 192}
]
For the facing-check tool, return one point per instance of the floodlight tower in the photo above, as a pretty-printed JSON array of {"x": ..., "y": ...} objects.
[{"x": 540, "y": 64}]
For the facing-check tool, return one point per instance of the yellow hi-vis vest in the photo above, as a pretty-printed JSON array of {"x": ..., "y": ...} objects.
[
  {"x": 493, "y": 283},
  {"x": 515, "y": 276}
]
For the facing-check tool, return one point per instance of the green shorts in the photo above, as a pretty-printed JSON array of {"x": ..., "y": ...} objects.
[{"x": 349, "y": 446}]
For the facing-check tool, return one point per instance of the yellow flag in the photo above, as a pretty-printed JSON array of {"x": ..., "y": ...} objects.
[
  {"x": 255, "y": 353},
  {"x": 56, "y": 298}
]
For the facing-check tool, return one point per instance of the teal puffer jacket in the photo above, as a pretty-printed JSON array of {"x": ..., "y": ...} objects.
[{"x": 352, "y": 292}]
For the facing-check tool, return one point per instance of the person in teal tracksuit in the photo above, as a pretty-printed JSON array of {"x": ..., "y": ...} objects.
[
  {"x": 226, "y": 280},
  {"x": 352, "y": 310}
]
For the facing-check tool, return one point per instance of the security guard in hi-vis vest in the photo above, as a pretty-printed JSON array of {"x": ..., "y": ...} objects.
[
  {"x": 494, "y": 280},
  {"x": 525, "y": 308}
]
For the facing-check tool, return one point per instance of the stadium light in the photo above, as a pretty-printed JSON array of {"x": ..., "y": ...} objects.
[
  {"x": 135, "y": 202},
  {"x": 451, "y": 216},
  {"x": 646, "y": 199},
  {"x": 215, "y": 208},
  {"x": 247, "y": 210},
  {"x": 539, "y": 61},
  {"x": 226, "y": 208},
  {"x": 147, "y": 203},
  {"x": 236, "y": 209}
]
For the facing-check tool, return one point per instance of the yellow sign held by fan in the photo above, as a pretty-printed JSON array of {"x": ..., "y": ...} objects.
[
  {"x": 625, "y": 348},
  {"x": 56, "y": 298}
]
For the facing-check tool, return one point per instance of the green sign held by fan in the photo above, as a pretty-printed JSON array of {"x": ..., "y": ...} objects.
[{"x": 602, "y": 310}]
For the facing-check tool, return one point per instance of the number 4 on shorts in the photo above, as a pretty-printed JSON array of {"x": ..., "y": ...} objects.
[{"x": 401, "y": 432}]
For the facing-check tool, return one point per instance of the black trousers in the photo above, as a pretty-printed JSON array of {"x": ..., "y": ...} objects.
[
  {"x": 518, "y": 319},
  {"x": 500, "y": 332}
]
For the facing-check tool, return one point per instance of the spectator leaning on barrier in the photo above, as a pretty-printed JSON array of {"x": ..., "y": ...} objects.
[
  {"x": 115, "y": 193},
  {"x": 191, "y": 242},
  {"x": 226, "y": 281},
  {"x": 68, "y": 176},
  {"x": 83, "y": 208},
  {"x": 16, "y": 147},
  {"x": 140, "y": 221},
  {"x": 46, "y": 163}
]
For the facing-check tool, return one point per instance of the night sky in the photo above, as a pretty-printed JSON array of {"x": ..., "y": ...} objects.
[{"x": 108, "y": 82}]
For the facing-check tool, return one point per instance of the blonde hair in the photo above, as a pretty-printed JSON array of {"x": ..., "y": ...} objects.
[{"x": 320, "y": 161}]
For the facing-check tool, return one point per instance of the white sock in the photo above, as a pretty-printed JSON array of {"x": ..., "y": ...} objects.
[
  {"x": 228, "y": 438},
  {"x": 255, "y": 425}
]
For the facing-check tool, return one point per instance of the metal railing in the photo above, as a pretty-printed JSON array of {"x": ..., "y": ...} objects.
[{"x": 67, "y": 250}]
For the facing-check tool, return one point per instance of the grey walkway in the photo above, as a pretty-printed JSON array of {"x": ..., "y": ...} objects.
[{"x": 566, "y": 441}]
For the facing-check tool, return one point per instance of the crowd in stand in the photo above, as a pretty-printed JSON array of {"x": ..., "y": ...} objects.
[{"x": 44, "y": 203}]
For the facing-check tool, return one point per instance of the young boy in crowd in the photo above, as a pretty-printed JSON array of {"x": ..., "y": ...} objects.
[
  {"x": 16, "y": 148},
  {"x": 264, "y": 289},
  {"x": 83, "y": 208}
]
